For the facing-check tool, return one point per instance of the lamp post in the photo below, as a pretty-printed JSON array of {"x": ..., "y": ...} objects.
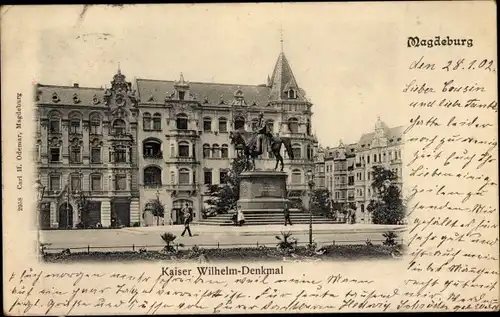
[
  {"x": 158, "y": 206},
  {"x": 40, "y": 192},
  {"x": 310, "y": 184}
]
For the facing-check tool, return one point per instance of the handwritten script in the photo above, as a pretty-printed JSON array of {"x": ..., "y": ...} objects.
[{"x": 451, "y": 159}]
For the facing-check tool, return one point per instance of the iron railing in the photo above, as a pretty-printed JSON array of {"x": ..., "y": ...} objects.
[{"x": 216, "y": 245}]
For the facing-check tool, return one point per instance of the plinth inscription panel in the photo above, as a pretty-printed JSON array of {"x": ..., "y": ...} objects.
[{"x": 262, "y": 190}]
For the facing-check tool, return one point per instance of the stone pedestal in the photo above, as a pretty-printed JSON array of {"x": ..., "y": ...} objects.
[{"x": 262, "y": 191}]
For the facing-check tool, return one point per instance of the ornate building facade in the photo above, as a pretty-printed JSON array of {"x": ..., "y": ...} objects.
[
  {"x": 348, "y": 168},
  {"x": 160, "y": 139},
  {"x": 87, "y": 143},
  {"x": 382, "y": 148}
]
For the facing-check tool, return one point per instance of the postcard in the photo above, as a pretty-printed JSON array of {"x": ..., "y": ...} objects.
[{"x": 249, "y": 158}]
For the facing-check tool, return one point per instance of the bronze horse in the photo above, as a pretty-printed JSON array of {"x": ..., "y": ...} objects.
[{"x": 243, "y": 138}]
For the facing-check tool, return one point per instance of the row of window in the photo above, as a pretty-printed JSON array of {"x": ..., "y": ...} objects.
[
  {"x": 153, "y": 122},
  {"x": 118, "y": 127},
  {"x": 55, "y": 182},
  {"x": 380, "y": 157},
  {"x": 153, "y": 178},
  {"x": 118, "y": 155},
  {"x": 215, "y": 151},
  {"x": 350, "y": 194}
]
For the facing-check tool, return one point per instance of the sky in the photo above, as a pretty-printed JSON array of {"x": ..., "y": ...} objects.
[{"x": 344, "y": 56}]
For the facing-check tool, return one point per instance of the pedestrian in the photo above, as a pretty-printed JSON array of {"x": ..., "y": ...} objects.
[
  {"x": 240, "y": 217},
  {"x": 286, "y": 212},
  {"x": 187, "y": 213}
]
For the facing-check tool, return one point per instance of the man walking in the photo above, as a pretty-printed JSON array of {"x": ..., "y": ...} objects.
[
  {"x": 286, "y": 211},
  {"x": 188, "y": 217}
]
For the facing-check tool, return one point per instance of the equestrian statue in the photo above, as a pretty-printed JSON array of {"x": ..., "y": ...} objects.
[{"x": 259, "y": 141}]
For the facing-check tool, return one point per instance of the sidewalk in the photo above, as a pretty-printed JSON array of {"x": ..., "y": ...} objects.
[{"x": 271, "y": 230}]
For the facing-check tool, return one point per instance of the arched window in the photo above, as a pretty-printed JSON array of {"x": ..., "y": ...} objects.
[
  {"x": 207, "y": 124},
  {"x": 292, "y": 94},
  {"x": 182, "y": 122},
  {"x": 297, "y": 151},
  {"x": 224, "y": 151},
  {"x": 184, "y": 176},
  {"x": 362, "y": 208},
  {"x": 95, "y": 124},
  {"x": 183, "y": 149},
  {"x": 75, "y": 124},
  {"x": 151, "y": 148},
  {"x": 146, "y": 121},
  {"x": 119, "y": 127},
  {"x": 270, "y": 125},
  {"x": 293, "y": 125},
  {"x": 296, "y": 176},
  {"x": 308, "y": 127},
  {"x": 172, "y": 177},
  {"x": 222, "y": 125},
  {"x": 216, "y": 151},
  {"x": 157, "y": 122},
  {"x": 54, "y": 123},
  {"x": 239, "y": 123},
  {"x": 206, "y": 151},
  {"x": 309, "y": 153},
  {"x": 152, "y": 176}
]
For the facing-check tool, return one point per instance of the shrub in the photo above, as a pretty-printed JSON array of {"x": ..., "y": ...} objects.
[
  {"x": 369, "y": 243},
  {"x": 390, "y": 238},
  {"x": 168, "y": 238},
  {"x": 136, "y": 224},
  {"x": 286, "y": 242},
  {"x": 195, "y": 252}
]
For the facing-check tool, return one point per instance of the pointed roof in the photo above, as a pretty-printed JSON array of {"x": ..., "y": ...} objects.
[{"x": 283, "y": 79}]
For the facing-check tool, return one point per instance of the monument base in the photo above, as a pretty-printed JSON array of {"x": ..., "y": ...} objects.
[{"x": 263, "y": 191}]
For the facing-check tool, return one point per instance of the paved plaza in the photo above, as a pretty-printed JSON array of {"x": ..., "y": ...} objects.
[{"x": 128, "y": 239}]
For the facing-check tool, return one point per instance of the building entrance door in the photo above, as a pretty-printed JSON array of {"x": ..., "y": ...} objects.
[
  {"x": 120, "y": 213},
  {"x": 44, "y": 216},
  {"x": 65, "y": 216}
]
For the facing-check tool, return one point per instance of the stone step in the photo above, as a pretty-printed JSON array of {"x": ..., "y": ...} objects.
[
  {"x": 266, "y": 217},
  {"x": 260, "y": 221}
]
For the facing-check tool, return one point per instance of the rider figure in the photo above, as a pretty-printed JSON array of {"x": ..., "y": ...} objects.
[{"x": 260, "y": 132}]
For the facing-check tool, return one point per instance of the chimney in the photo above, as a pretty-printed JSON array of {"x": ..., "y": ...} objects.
[{"x": 76, "y": 85}]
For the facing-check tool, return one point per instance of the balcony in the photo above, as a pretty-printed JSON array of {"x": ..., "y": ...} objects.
[
  {"x": 153, "y": 155},
  {"x": 183, "y": 160},
  {"x": 185, "y": 133}
]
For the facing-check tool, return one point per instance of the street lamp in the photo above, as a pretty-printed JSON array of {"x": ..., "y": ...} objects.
[
  {"x": 40, "y": 192},
  {"x": 310, "y": 183}
]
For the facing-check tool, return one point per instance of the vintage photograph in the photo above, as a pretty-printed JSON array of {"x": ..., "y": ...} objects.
[
  {"x": 157, "y": 164},
  {"x": 249, "y": 158}
]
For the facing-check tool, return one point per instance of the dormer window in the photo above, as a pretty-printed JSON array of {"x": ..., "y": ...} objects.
[
  {"x": 76, "y": 99},
  {"x": 55, "y": 97},
  {"x": 182, "y": 95},
  {"x": 292, "y": 94}
]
